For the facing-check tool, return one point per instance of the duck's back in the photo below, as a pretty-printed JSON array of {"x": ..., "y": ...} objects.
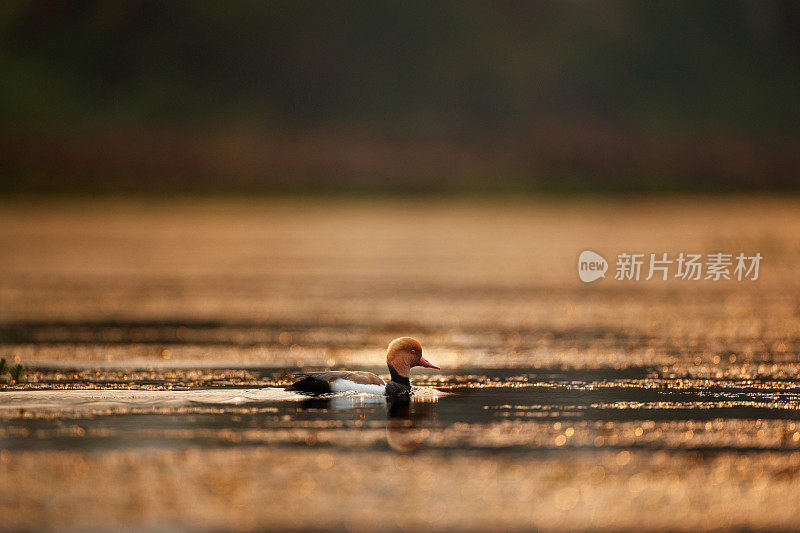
[{"x": 339, "y": 381}]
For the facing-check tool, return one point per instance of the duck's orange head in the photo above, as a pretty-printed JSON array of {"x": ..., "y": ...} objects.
[{"x": 403, "y": 354}]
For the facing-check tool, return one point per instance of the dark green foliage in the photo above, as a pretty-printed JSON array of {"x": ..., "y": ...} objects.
[
  {"x": 403, "y": 65},
  {"x": 417, "y": 96},
  {"x": 16, "y": 373}
]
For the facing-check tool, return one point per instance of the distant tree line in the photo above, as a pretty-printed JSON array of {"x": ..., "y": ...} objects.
[{"x": 451, "y": 71}]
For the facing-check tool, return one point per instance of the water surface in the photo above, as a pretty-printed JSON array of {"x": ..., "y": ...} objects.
[{"x": 524, "y": 410}]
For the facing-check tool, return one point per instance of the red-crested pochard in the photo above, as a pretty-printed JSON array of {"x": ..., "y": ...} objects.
[{"x": 402, "y": 354}]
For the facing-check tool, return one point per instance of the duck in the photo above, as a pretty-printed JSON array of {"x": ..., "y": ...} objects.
[{"x": 402, "y": 355}]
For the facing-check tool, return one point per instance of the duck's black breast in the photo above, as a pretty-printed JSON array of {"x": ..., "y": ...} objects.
[{"x": 397, "y": 389}]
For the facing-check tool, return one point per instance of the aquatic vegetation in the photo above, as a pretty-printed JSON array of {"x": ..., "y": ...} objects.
[{"x": 15, "y": 372}]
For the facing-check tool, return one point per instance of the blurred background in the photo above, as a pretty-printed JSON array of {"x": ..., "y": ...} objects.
[
  {"x": 218, "y": 195},
  {"x": 386, "y": 97}
]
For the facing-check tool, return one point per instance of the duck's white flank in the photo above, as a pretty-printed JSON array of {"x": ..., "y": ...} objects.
[{"x": 345, "y": 385}]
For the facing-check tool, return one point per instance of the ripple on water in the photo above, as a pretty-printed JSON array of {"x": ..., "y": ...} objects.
[
  {"x": 533, "y": 409},
  {"x": 99, "y": 399}
]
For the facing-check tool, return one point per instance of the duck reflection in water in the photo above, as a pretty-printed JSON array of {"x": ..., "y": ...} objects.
[{"x": 408, "y": 421}]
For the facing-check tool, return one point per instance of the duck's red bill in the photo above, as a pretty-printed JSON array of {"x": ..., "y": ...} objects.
[{"x": 426, "y": 364}]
